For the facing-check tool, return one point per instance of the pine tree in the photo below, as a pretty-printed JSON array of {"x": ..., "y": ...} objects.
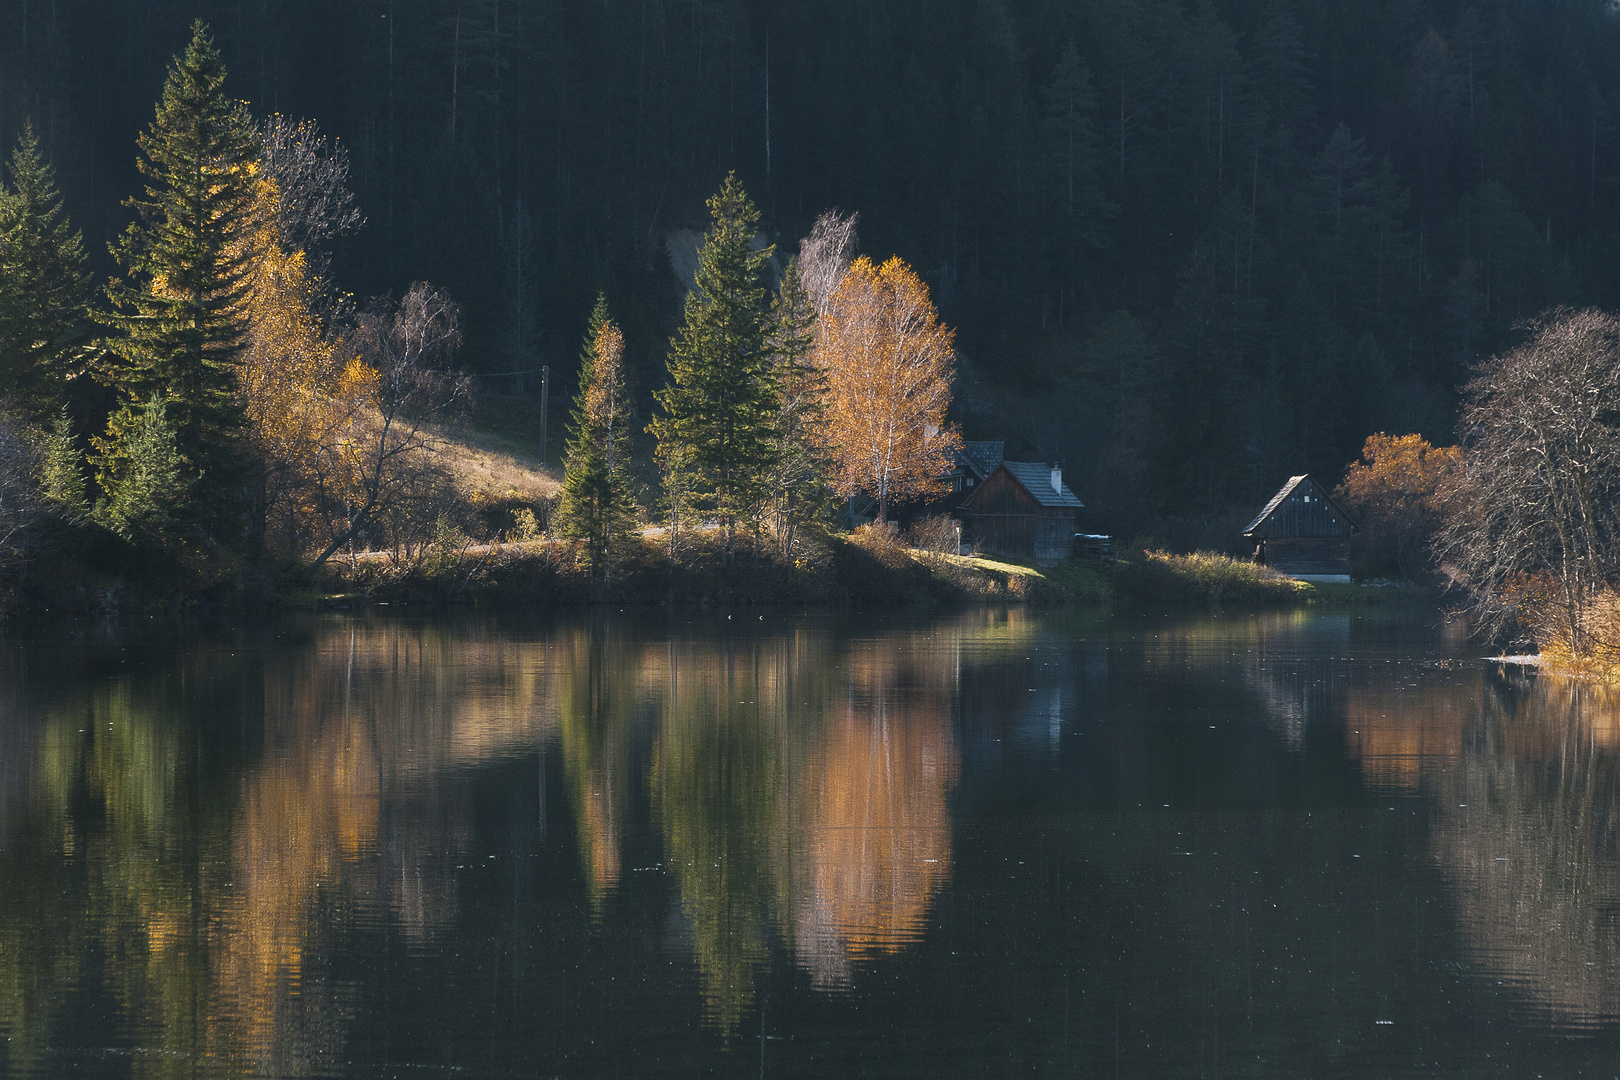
[
  {"x": 596, "y": 506},
  {"x": 61, "y": 469},
  {"x": 721, "y": 398},
  {"x": 181, "y": 316},
  {"x": 145, "y": 477},
  {"x": 799, "y": 492},
  {"x": 43, "y": 283}
]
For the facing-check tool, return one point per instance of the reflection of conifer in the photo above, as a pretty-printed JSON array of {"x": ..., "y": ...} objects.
[
  {"x": 716, "y": 784},
  {"x": 596, "y": 506}
]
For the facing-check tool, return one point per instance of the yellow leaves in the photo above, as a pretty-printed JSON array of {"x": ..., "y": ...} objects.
[
  {"x": 307, "y": 402},
  {"x": 890, "y": 364},
  {"x": 1396, "y": 473},
  {"x": 359, "y": 381},
  {"x": 604, "y": 397}
]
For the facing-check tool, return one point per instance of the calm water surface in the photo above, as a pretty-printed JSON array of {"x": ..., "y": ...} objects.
[{"x": 982, "y": 844}]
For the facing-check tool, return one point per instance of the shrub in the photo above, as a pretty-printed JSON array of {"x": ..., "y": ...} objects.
[
  {"x": 1202, "y": 576},
  {"x": 937, "y": 534}
]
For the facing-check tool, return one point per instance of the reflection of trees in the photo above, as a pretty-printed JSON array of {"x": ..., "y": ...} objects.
[
  {"x": 127, "y": 887},
  {"x": 203, "y": 904},
  {"x": 803, "y": 794},
  {"x": 1534, "y": 855},
  {"x": 876, "y": 825},
  {"x": 717, "y": 776},
  {"x": 1525, "y": 777},
  {"x": 595, "y": 694},
  {"x": 198, "y": 838}
]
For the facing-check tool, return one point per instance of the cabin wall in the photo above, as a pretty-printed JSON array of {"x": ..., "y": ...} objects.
[
  {"x": 1297, "y": 518},
  {"x": 1004, "y": 519},
  {"x": 1308, "y": 555},
  {"x": 1045, "y": 536},
  {"x": 1054, "y": 536}
]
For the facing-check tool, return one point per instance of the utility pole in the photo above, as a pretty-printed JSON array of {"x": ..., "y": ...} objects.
[{"x": 545, "y": 398}]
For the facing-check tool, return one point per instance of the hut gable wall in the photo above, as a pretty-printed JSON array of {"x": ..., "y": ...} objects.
[
  {"x": 1006, "y": 519},
  {"x": 1304, "y": 511},
  {"x": 1001, "y": 494}
]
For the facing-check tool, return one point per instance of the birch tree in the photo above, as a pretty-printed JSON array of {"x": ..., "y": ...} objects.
[{"x": 889, "y": 364}]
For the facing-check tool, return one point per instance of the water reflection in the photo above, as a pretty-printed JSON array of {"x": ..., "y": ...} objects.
[
  {"x": 199, "y": 842},
  {"x": 1524, "y": 777},
  {"x": 284, "y": 855}
]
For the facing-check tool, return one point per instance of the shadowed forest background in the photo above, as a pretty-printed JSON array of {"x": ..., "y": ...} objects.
[{"x": 1189, "y": 248}]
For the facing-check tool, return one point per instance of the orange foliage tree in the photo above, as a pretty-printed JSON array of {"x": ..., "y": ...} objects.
[
  {"x": 301, "y": 397},
  {"x": 890, "y": 364},
  {"x": 1395, "y": 491}
]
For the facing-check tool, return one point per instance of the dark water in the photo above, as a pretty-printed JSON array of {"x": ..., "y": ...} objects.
[{"x": 985, "y": 844}]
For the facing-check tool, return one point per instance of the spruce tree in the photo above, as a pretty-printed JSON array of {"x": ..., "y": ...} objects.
[
  {"x": 43, "y": 283},
  {"x": 147, "y": 483},
  {"x": 720, "y": 403},
  {"x": 61, "y": 469},
  {"x": 180, "y": 315},
  {"x": 596, "y": 506},
  {"x": 799, "y": 492}
]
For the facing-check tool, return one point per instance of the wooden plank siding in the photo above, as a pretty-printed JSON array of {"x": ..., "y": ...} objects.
[
  {"x": 1005, "y": 520},
  {"x": 1308, "y": 555},
  {"x": 1304, "y": 509},
  {"x": 1303, "y": 532}
]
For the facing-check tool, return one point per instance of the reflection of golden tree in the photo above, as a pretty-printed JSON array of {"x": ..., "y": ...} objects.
[
  {"x": 305, "y": 820},
  {"x": 595, "y": 689},
  {"x": 1398, "y": 733},
  {"x": 1525, "y": 780},
  {"x": 876, "y": 839}
]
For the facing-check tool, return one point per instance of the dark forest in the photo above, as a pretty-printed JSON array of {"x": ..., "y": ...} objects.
[{"x": 1189, "y": 248}]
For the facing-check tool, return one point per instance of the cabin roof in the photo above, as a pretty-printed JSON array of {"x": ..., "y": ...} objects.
[
  {"x": 1296, "y": 483},
  {"x": 981, "y": 457},
  {"x": 1036, "y": 478}
]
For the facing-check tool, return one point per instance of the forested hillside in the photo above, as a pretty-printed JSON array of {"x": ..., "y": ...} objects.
[{"x": 1188, "y": 247}]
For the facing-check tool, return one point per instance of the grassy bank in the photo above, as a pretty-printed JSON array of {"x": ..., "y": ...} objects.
[
  {"x": 861, "y": 568},
  {"x": 834, "y": 569}
]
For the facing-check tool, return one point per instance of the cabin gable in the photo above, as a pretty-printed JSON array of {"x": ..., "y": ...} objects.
[
  {"x": 1011, "y": 514},
  {"x": 1301, "y": 509},
  {"x": 1303, "y": 532}
]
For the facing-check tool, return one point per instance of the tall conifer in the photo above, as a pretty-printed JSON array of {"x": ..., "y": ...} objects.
[
  {"x": 43, "y": 282},
  {"x": 720, "y": 403},
  {"x": 596, "y": 506},
  {"x": 180, "y": 315},
  {"x": 799, "y": 491}
]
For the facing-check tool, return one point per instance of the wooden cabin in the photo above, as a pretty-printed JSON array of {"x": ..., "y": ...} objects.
[
  {"x": 1303, "y": 533},
  {"x": 971, "y": 464},
  {"x": 1022, "y": 509}
]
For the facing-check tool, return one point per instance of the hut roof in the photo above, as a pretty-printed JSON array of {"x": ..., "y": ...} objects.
[
  {"x": 1036, "y": 478},
  {"x": 981, "y": 457},
  {"x": 1338, "y": 524}
]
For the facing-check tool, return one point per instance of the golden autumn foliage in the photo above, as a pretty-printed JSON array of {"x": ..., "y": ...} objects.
[
  {"x": 304, "y": 400},
  {"x": 890, "y": 364},
  {"x": 1395, "y": 492}
]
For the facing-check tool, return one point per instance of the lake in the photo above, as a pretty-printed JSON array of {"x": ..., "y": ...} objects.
[{"x": 983, "y": 843}]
